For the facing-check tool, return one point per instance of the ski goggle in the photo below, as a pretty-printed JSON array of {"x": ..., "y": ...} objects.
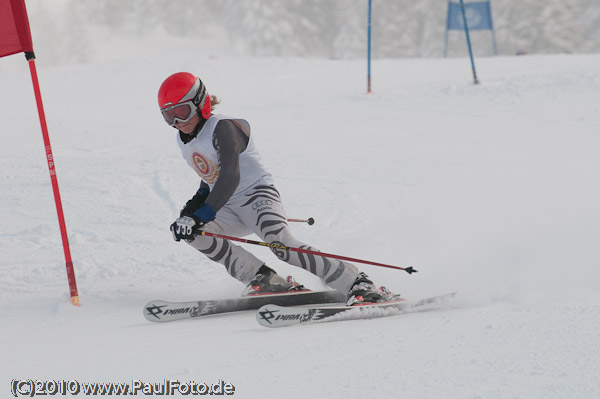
[{"x": 182, "y": 112}]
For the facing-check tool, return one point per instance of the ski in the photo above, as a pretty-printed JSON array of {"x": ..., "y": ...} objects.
[
  {"x": 274, "y": 315},
  {"x": 162, "y": 311}
]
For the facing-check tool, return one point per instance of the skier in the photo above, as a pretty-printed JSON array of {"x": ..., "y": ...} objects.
[{"x": 237, "y": 197}]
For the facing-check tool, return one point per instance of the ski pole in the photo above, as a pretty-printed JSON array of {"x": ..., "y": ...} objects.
[
  {"x": 310, "y": 221},
  {"x": 409, "y": 269}
]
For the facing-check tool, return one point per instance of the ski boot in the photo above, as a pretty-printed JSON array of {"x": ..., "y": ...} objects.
[
  {"x": 267, "y": 281},
  {"x": 363, "y": 291}
]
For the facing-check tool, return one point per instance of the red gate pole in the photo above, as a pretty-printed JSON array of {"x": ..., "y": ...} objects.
[{"x": 49, "y": 157}]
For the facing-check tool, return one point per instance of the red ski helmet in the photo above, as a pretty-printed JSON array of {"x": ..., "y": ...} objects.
[{"x": 181, "y": 88}]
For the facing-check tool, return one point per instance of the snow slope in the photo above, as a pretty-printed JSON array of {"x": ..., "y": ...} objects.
[{"x": 491, "y": 190}]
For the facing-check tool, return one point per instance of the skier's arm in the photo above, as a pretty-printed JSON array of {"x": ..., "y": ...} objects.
[
  {"x": 197, "y": 200},
  {"x": 229, "y": 141}
]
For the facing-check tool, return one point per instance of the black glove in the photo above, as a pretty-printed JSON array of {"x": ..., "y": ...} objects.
[{"x": 183, "y": 228}]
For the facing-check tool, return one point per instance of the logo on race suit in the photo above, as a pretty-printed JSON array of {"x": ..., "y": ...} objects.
[
  {"x": 207, "y": 169},
  {"x": 262, "y": 205}
]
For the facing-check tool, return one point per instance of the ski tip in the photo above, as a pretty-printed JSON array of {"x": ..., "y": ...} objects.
[
  {"x": 153, "y": 309},
  {"x": 266, "y": 313},
  {"x": 411, "y": 270}
]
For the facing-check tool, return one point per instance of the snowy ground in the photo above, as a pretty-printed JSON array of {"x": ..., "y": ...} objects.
[{"x": 491, "y": 190}]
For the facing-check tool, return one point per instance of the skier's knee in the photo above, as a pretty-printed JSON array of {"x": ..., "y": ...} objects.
[{"x": 282, "y": 254}]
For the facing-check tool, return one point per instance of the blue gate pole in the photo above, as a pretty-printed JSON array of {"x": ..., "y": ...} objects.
[
  {"x": 447, "y": 29},
  {"x": 369, "y": 50},
  {"x": 462, "y": 8}
]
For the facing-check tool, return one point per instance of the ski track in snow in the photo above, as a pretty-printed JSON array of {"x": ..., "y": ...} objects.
[{"x": 490, "y": 190}]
